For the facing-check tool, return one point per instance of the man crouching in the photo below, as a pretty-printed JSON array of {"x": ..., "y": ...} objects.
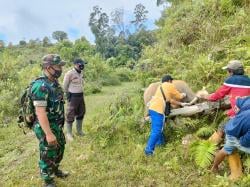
[{"x": 237, "y": 132}]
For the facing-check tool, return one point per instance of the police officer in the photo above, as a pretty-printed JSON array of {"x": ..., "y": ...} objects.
[
  {"x": 73, "y": 86},
  {"x": 47, "y": 97}
]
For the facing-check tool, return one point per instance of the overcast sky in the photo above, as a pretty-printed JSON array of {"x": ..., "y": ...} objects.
[{"x": 31, "y": 19}]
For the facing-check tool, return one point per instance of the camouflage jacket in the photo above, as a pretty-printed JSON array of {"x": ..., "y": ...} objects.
[{"x": 49, "y": 94}]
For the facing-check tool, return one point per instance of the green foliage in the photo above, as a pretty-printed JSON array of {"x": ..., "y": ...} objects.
[
  {"x": 2, "y": 45},
  {"x": 46, "y": 42},
  {"x": 205, "y": 132},
  {"x": 246, "y": 164},
  {"x": 92, "y": 88},
  {"x": 115, "y": 43},
  {"x": 202, "y": 152},
  {"x": 125, "y": 74},
  {"x": 193, "y": 48},
  {"x": 245, "y": 181},
  {"x": 111, "y": 79},
  {"x": 22, "y": 43},
  {"x": 120, "y": 121},
  {"x": 21, "y": 64},
  {"x": 99, "y": 25},
  {"x": 227, "y": 7},
  {"x": 59, "y": 35},
  {"x": 193, "y": 41},
  {"x": 140, "y": 13}
]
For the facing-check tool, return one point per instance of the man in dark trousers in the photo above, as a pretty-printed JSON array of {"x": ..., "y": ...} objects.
[{"x": 73, "y": 86}]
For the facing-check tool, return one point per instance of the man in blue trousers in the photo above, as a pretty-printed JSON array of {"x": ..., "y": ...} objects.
[{"x": 166, "y": 92}]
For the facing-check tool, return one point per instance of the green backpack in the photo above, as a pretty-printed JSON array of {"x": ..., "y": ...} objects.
[{"x": 27, "y": 115}]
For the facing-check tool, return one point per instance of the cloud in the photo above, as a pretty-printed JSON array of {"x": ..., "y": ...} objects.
[
  {"x": 31, "y": 19},
  {"x": 28, "y": 23}
]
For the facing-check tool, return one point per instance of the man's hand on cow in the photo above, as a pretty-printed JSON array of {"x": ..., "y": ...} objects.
[{"x": 203, "y": 96}]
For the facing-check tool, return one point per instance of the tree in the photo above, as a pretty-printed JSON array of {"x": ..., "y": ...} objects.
[
  {"x": 104, "y": 34},
  {"x": 59, "y": 36},
  {"x": 138, "y": 40},
  {"x": 160, "y": 2},
  {"x": 140, "y": 13},
  {"x": 10, "y": 45},
  {"x": 22, "y": 43},
  {"x": 2, "y": 44},
  {"x": 46, "y": 41},
  {"x": 83, "y": 47},
  {"x": 117, "y": 17},
  {"x": 98, "y": 22},
  {"x": 33, "y": 43}
]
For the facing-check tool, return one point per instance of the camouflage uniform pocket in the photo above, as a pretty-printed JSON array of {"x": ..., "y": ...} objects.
[{"x": 49, "y": 152}]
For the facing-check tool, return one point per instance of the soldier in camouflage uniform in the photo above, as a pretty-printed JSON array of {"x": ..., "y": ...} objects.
[{"x": 47, "y": 97}]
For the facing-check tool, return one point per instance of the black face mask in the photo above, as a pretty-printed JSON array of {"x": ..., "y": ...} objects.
[
  {"x": 81, "y": 66},
  {"x": 57, "y": 73}
]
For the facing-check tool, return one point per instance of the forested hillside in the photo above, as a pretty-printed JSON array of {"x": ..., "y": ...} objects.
[
  {"x": 196, "y": 38},
  {"x": 193, "y": 41}
]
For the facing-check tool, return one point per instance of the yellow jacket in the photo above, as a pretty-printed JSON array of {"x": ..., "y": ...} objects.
[{"x": 157, "y": 102}]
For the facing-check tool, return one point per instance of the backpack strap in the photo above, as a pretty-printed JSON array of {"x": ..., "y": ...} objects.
[
  {"x": 164, "y": 97},
  {"x": 167, "y": 109}
]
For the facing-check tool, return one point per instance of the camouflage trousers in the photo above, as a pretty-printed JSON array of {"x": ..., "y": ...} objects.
[{"x": 50, "y": 155}]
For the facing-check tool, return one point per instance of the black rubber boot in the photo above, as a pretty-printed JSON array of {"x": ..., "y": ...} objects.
[
  {"x": 79, "y": 127},
  {"x": 61, "y": 174},
  {"x": 69, "y": 134},
  {"x": 49, "y": 184}
]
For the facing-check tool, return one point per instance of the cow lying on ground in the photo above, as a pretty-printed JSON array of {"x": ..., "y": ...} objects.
[{"x": 180, "y": 85}]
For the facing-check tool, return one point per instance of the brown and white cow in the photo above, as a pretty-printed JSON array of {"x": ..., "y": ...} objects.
[{"x": 181, "y": 86}]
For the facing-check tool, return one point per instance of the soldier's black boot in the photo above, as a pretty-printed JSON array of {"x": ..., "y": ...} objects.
[
  {"x": 61, "y": 174},
  {"x": 49, "y": 184}
]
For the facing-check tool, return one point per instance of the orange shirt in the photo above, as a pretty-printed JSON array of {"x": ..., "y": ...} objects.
[{"x": 157, "y": 102}]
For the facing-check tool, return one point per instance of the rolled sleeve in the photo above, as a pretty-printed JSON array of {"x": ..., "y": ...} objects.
[
  {"x": 40, "y": 103},
  {"x": 39, "y": 93},
  {"x": 231, "y": 144}
]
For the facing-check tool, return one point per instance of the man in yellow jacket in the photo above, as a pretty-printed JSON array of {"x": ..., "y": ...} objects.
[{"x": 156, "y": 111}]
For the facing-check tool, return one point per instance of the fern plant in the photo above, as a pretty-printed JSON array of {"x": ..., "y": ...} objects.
[
  {"x": 205, "y": 132},
  {"x": 247, "y": 165},
  {"x": 202, "y": 152}
]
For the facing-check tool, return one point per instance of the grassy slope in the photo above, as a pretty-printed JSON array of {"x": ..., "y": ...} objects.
[{"x": 95, "y": 161}]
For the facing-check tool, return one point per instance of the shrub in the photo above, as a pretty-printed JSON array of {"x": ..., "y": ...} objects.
[
  {"x": 124, "y": 74},
  {"x": 92, "y": 88}
]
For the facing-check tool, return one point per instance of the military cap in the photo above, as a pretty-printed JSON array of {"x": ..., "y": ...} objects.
[{"x": 52, "y": 59}]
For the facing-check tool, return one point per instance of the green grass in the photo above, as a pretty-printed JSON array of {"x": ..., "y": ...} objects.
[{"x": 111, "y": 153}]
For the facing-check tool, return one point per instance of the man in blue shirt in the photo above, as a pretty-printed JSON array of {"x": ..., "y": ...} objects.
[{"x": 237, "y": 132}]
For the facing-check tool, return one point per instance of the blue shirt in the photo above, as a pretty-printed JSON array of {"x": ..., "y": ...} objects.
[{"x": 239, "y": 126}]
